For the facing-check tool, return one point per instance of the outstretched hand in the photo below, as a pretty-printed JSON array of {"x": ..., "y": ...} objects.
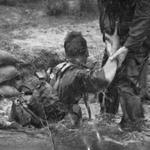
[
  {"x": 112, "y": 42},
  {"x": 120, "y": 55},
  {"x": 113, "y": 47}
]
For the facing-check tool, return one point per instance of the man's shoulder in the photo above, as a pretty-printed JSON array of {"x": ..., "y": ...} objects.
[
  {"x": 71, "y": 71},
  {"x": 66, "y": 69}
]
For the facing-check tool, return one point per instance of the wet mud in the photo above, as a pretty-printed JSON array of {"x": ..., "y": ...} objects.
[{"x": 102, "y": 133}]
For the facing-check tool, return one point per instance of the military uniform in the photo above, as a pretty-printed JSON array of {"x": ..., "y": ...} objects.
[
  {"x": 72, "y": 80},
  {"x": 133, "y": 20},
  {"x": 44, "y": 106}
]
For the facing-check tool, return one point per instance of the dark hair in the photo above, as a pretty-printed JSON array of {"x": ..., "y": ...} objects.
[{"x": 75, "y": 44}]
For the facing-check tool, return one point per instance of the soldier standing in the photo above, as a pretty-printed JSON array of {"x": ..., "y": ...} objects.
[{"x": 133, "y": 22}]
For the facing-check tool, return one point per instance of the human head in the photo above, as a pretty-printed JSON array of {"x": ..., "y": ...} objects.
[{"x": 76, "y": 46}]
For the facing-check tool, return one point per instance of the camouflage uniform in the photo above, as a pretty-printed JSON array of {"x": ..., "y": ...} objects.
[
  {"x": 43, "y": 106},
  {"x": 73, "y": 80},
  {"x": 127, "y": 84}
]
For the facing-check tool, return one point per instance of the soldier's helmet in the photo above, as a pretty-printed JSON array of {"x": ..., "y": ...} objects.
[{"x": 75, "y": 45}]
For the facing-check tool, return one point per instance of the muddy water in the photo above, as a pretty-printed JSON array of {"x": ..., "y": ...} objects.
[
  {"x": 100, "y": 134},
  {"x": 13, "y": 140}
]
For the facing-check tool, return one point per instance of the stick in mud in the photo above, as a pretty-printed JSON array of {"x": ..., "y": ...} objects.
[
  {"x": 85, "y": 98},
  {"x": 49, "y": 131}
]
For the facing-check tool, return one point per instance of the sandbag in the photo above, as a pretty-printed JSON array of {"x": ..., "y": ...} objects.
[
  {"x": 8, "y": 91},
  {"x": 7, "y": 58},
  {"x": 7, "y": 73}
]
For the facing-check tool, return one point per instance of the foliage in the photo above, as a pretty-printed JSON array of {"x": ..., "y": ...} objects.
[
  {"x": 71, "y": 7},
  {"x": 56, "y": 7},
  {"x": 15, "y": 2},
  {"x": 89, "y": 6}
]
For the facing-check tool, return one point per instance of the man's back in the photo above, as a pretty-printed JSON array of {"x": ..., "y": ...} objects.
[
  {"x": 70, "y": 87},
  {"x": 74, "y": 79}
]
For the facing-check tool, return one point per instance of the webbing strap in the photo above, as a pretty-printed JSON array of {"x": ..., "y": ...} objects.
[{"x": 61, "y": 72}]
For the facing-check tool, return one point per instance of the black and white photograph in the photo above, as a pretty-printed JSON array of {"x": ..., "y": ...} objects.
[{"x": 74, "y": 74}]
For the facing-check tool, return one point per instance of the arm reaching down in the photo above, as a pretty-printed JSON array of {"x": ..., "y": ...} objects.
[
  {"x": 100, "y": 78},
  {"x": 112, "y": 43},
  {"x": 110, "y": 69}
]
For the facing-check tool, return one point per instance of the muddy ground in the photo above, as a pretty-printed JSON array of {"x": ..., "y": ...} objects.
[{"x": 26, "y": 32}]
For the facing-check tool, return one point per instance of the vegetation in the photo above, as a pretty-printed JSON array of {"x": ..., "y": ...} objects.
[
  {"x": 72, "y": 7},
  {"x": 15, "y": 2},
  {"x": 58, "y": 7}
]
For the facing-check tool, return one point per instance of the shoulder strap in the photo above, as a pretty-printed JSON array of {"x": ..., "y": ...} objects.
[{"x": 62, "y": 68}]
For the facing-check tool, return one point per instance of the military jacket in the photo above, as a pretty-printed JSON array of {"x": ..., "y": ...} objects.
[
  {"x": 72, "y": 80},
  {"x": 133, "y": 21}
]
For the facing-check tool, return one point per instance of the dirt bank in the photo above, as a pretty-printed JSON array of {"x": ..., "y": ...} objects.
[{"x": 30, "y": 30}]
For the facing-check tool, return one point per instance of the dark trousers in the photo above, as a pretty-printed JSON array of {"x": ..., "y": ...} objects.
[{"x": 126, "y": 87}]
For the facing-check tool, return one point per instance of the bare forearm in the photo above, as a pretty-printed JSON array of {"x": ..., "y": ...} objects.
[{"x": 110, "y": 69}]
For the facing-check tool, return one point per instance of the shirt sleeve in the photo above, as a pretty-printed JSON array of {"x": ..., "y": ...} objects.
[
  {"x": 94, "y": 81},
  {"x": 140, "y": 26}
]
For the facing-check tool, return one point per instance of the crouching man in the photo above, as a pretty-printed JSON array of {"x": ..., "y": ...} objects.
[{"x": 73, "y": 78}]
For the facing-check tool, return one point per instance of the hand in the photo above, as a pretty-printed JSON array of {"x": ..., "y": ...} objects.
[
  {"x": 108, "y": 47},
  {"x": 112, "y": 42},
  {"x": 120, "y": 55}
]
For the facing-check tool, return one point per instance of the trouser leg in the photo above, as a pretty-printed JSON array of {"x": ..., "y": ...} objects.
[
  {"x": 131, "y": 107},
  {"x": 109, "y": 101},
  {"x": 76, "y": 114},
  {"x": 130, "y": 88}
]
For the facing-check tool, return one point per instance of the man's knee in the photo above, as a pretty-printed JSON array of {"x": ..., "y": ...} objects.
[
  {"x": 76, "y": 114},
  {"x": 132, "y": 107}
]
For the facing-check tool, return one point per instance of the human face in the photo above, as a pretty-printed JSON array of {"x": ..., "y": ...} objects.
[{"x": 83, "y": 59}]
